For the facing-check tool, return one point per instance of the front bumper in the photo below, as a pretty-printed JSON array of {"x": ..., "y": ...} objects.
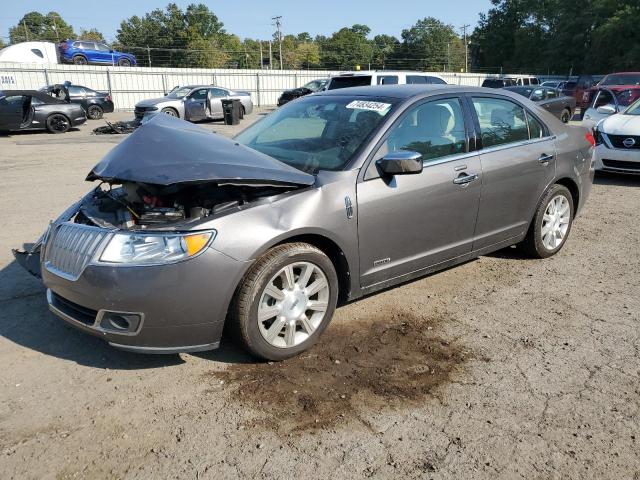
[
  {"x": 179, "y": 307},
  {"x": 617, "y": 160}
]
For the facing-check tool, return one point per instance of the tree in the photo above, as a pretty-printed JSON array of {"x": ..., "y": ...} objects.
[
  {"x": 170, "y": 32},
  {"x": 385, "y": 50},
  {"x": 35, "y": 26},
  {"x": 348, "y": 48},
  {"x": 432, "y": 45},
  {"x": 2, "y": 44},
  {"x": 91, "y": 34}
]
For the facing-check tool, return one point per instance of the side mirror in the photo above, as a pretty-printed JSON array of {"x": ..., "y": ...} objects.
[
  {"x": 400, "y": 162},
  {"x": 606, "y": 110}
]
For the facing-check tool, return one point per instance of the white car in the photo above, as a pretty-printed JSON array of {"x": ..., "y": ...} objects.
[
  {"x": 384, "y": 77},
  {"x": 618, "y": 141}
]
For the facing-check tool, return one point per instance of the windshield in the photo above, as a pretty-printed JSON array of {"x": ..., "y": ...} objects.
[
  {"x": 314, "y": 85},
  {"x": 634, "y": 109},
  {"x": 318, "y": 132},
  {"x": 179, "y": 92},
  {"x": 621, "y": 79}
]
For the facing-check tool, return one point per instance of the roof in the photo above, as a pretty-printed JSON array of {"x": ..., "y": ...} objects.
[
  {"x": 403, "y": 91},
  {"x": 42, "y": 96},
  {"x": 383, "y": 72}
]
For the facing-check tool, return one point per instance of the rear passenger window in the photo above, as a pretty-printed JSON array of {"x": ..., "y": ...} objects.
[
  {"x": 501, "y": 121},
  {"x": 416, "y": 79},
  {"x": 434, "y": 129},
  {"x": 436, "y": 81},
  {"x": 388, "y": 80},
  {"x": 552, "y": 93}
]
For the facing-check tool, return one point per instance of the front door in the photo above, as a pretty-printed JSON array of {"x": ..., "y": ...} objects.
[
  {"x": 11, "y": 112},
  {"x": 195, "y": 105},
  {"x": 407, "y": 223},
  {"x": 518, "y": 163}
]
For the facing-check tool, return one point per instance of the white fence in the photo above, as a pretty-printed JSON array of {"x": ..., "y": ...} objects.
[{"x": 129, "y": 85}]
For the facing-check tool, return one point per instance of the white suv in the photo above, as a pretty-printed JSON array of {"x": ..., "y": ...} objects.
[{"x": 361, "y": 79}]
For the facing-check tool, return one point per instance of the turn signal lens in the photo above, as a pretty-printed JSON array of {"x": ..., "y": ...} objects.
[
  {"x": 195, "y": 243},
  {"x": 590, "y": 139}
]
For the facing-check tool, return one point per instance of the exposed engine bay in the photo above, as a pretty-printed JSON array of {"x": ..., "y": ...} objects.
[{"x": 132, "y": 206}]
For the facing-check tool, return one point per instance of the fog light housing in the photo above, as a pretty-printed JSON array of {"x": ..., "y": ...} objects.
[{"x": 119, "y": 322}]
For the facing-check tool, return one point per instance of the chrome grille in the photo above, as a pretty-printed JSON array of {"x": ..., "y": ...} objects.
[{"x": 71, "y": 248}]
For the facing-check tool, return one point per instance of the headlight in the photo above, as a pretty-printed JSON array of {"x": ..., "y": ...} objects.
[{"x": 154, "y": 248}]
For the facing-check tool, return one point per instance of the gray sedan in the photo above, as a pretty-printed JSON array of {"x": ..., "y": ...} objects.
[
  {"x": 33, "y": 110},
  {"x": 329, "y": 198},
  {"x": 551, "y": 99},
  {"x": 194, "y": 102}
]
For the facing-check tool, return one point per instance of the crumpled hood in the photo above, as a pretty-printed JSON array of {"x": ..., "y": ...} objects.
[
  {"x": 166, "y": 151},
  {"x": 622, "y": 124}
]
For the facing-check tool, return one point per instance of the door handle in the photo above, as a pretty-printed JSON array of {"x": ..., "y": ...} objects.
[
  {"x": 545, "y": 159},
  {"x": 465, "y": 179}
]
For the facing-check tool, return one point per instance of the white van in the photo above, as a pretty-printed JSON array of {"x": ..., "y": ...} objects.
[{"x": 384, "y": 77}]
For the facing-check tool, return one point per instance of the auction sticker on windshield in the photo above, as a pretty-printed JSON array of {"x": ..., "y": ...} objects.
[{"x": 373, "y": 106}]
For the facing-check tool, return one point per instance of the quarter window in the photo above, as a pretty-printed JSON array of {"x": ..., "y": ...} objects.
[
  {"x": 501, "y": 121},
  {"x": 536, "y": 130},
  {"x": 434, "y": 129}
]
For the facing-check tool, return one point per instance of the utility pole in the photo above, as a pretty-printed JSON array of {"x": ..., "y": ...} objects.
[
  {"x": 270, "y": 57},
  {"x": 261, "y": 61},
  {"x": 55, "y": 28},
  {"x": 466, "y": 48},
  {"x": 26, "y": 32},
  {"x": 278, "y": 24}
]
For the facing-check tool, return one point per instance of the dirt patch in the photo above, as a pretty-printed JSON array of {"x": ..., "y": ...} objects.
[{"x": 386, "y": 361}]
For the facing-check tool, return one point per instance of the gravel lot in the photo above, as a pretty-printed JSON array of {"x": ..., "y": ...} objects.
[{"x": 503, "y": 367}]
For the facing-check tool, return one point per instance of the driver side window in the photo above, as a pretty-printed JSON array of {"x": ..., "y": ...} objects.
[{"x": 434, "y": 129}]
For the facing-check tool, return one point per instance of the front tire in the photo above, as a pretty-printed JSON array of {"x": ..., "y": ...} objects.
[
  {"x": 551, "y": 224},
  {"x": 172, "y": 112},
  {"x": 94, "y": 112},
  {"x": 124, "y": 62},
  {"x": 57, "y": 123},
  {"x": 285, "y": 301}
]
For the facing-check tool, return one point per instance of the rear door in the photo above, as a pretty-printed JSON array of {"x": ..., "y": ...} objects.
[
  {"x": 407, "y": 223},
  {"x": 518, "y": 163},
  {"x": 11, "y": 112},
  {"x": 195, "y": 105},
  {"x": 216, "y": 95}
]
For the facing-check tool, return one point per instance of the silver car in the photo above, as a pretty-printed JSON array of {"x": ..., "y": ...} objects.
[
  {"x": 194, "y": 103},
  {"x": 329, "y": 198}
]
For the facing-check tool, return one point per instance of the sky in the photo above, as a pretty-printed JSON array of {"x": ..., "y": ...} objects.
[{"x": 252, "y": 18}]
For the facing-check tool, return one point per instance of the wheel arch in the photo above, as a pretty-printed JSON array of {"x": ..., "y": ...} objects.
[
  {"x": 332, "y": 250},
  {"x": 572, "y": 186}
]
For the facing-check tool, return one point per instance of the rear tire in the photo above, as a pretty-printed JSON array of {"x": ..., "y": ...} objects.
[
  {"x": 79, "y": 60},
  {"x": 58, "y": 123},
  {"x": 284, "y": 302},
  {"x": 170, "y": 111},
  {"x": 551, "y": 223},
  {"x": 565, "y": 117},
  {"x": 95, "y": 112}
]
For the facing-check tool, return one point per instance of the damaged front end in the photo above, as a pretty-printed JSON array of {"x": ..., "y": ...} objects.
[{"x": 169, "y": 175}]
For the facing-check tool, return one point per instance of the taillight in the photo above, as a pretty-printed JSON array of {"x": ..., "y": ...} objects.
[
  {"x": 590, "y": 138},
  {"x": 108, "y": 98},
  {"x": 64, "y": 46}
]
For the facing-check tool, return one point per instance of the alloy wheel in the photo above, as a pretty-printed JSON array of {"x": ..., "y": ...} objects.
[
  {"x": 59, "y": 123},
  {"x": 293, "y": 304},
  {"x": 555, "y": 222}
]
